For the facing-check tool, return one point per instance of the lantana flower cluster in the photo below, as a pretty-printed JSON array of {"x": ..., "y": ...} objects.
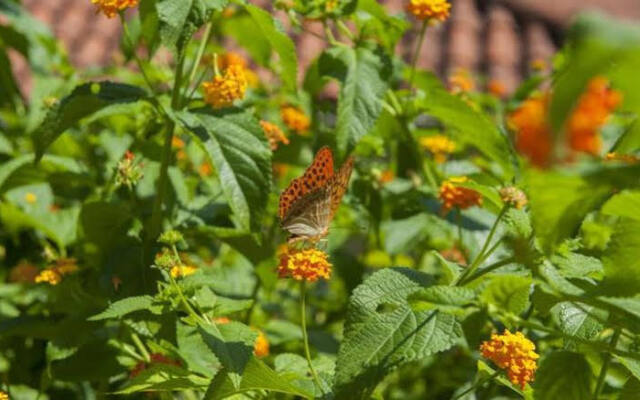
[
  {"x": 274, "y": 134},
  {"x": 295, "y": 119},
  {"x": 452, "y": 195},
  {"x": 111, "y": 8},
  {"x": 533, "y": 132},
  {"x": 514, "y": 353},
  {"x": 308, "y": 265},
  {"x": 224, "y": 89},
  {"x": 439, "y": 145},
  {"x": 54, "y": 274},
  {"x": 431, "y": 10}
]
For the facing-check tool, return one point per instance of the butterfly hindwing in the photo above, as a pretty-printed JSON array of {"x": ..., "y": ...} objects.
[
  {"x": 318, "y": 175},
  {"x": 339, "y": 184},
  {"x": 309, "y": 216}
]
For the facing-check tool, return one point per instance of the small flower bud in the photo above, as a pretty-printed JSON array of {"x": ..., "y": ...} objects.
[
  {"x": 513, "y": 197},
  {"x": 171, "y": 237}
]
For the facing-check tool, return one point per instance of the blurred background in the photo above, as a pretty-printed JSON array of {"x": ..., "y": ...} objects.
[{"x": 499, "y": 39}]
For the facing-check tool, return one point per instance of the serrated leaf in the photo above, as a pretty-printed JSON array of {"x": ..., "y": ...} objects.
[
  {"x": 235, "y": 144},
  {"x": 621, "y": 261},
  {"x": 363, "y": 75},
  {"x": 195, "y": 352},
  {"x": 445, "y": 298},
  {"x": 563, "y": 375},
  {"x": 468, "y": 126},
  {"x": 160, "y": 377},
  {"x": 256, "y": 376},
  {"x": 178, "y": 21},
  {"x": 270, "y": 28},
  {"x": 508, "y": 292},
  {"x": 123, "y": 307},
  {"x": 83, "y": 101},
  {"x": 382, "y": 332},
  {"x": 574, "y": 265},
  {"x": 577, "y": 319}
]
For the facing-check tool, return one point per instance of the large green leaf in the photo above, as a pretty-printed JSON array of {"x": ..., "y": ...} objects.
[
  {"x": 563, "y": 375},
  {"x": 123, "y": 307},
  {"x": 624, "y": 204},
  {"x": 179, "y": 20},
  {"x": 469, "y": 126},
  {"x": 195, "y": 352},
  {"x": 382, "y": 332},
  {"x": 160, "y": 377},
  {"x": 508, "y": 293},
  {"x": 270, "y": 28},
  {"x": 257, "y": 376},
  {"x": 621, "y": 262},
  {"x": 577, "y": 320},
  {"x": 234, "y": 142},
  {"x": 83, "y": 101},
  {"x": 363, "y": 75}
]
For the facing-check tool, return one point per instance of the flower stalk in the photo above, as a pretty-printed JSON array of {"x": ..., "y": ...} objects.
[{"x": 305, "y": 336}]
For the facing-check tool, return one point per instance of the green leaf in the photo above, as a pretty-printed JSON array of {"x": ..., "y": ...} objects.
[
  {"x": 104, "y": 223},
  {"x": 577, "y": 319},
  {"x": 235, "y": 144},
  {"x": 630, "y": 390},
  {"x": 59, "y": 227},
  {"x": 256, "y": 376},
  {"x": 468, "y": 126},
  {"x": 160, "y": 377},
  {"x": 508, "y": 292},
  {"x": 123, "y": 307},
  {"x": 574, "y": 265},
  {"x": 559, "y": 202},
  {"x": 83, "y": 101},
  {"x": 382, "y": 332},
  {"x": 195, "y": 352},
  {"x": 621, "y": 261},
  {"x": 563, "y": 375},
  {"x": 270, "y": 28},
  {"x": 624, "y": 204},
  {"x": 445, "y": 298},
  {"x": 179, "y": 20},
  {"x": 363, "y": 75},
  {"x": 402, "y": 234}
]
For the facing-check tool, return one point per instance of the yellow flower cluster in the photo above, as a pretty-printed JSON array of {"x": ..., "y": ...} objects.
[
  {"x": 111, "y": 8},
  {"x": 452, "y": 195},
  {"x": 53, "y": 275},
  {"x": 180, "y": 271},
  {"x": 295, "y": 119},
  {"x": 513, "y": 353},
  {"x": 432, "y": 10},
  {"x": 308, "y": 265},
  {"x": 274, "y": 134},
  {"x": 439, "y": 145},
  {"x": 224, "y": 89}
]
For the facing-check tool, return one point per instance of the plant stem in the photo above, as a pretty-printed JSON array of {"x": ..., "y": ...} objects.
[
  {"x": 416, "y": 53},
  {"x": 140, "y": 346},
  {"x": 605, "y": 364},
  {"x": 480, "y": 257},
  {"x": 203, "y": 45},
  {"x": 345, "y": 29},
  {"x": 305, "y": 336},
  {"x": 488, "y": 269},
  {"x": 327, "y": 31}
]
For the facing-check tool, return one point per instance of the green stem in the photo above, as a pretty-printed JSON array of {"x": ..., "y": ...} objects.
[
  {"x": 203, "y": 45},
  {"x": 605, "y": 364},
  {"x": 140, "y": 346},
  {"x": 413, "y": 146},
  {"x": 480, "y": 257},
  {"x": 327, "y": 31},
  {"x": 345, "y": 29},
  {"x": 459, "y": 225},
  {"x": 488, "y": 269},
  {"x": 185, "y": 302},
  {"x": 416, "y": 53},
  {"x": 305, "y": 336}
]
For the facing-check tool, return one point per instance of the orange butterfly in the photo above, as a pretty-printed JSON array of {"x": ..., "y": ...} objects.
[{"x": 310, "y": 202}]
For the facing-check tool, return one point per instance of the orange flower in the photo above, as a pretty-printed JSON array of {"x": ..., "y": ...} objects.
[
  {"x": 439, "y": 145},
  {"x": 24, "y": 272},
  {"x": 261, "y": 346},
  {"x": 222, "y": 320},
  {"x": 533, "y": 133},
  {"x": 431, "y": 10},
  {"x": 513, "y": 197},
  {"x": 224, "y": 89},
  {"x": 230, "y": 58},
  {"x": 177, "y": 143},
  {"x": 539, "y": 64},
  {"x": 295, "y": 119},
  {"x": 497, "y": 88},
  {"x": 50, "y": 276},
  {"x": 455, "y": 255},
  {"x": 4, "y": 396},
  {"x": 280, "y": 169},
  {"x": 274, "y": 134},
  {"x": 592, "y": 111},
  {"x": 205, "y": 169},
  {"x": 461, "y": 81},
  {"x": 386, "y": 176},
  {"x": 308, "y": 265},
  {"x": 513, "y": 353},
  {"x": 452, "y": 195},
  {"x": 112, "y": 7}
]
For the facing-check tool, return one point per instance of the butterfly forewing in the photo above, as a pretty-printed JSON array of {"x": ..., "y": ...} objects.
[
  {"x": 339, "y": 184},
  {"x": 318, "y": 175}
]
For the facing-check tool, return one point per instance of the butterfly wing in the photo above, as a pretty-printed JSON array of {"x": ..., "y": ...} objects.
[
  {"x": 308, "y": 217},
  {"x": 318, "y": 175},
  {"x": 338, "y": 186}
]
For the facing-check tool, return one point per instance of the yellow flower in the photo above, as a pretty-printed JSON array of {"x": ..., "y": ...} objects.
[
  {"x": 439, "y": 145},
  {"x": 53, "y": 275},
  {"x": 50, "y": 276},
  {"x": 274, "y": 134},
  {"x": 180, "y": 271},
  {"x": 513, "y": 353},
  {"x": 513, "y": 197},
  {"x": 432, "y": 10},
  {"x": 295, "y": 119},
  {"x": 308, "y": 265},
  {"x": 461, "y": 81},
  {"x": 4, "y": 396},
  {"x": 224, "y": 89},
  {"x": 112, "y": 7},
  {"x": 30, "y": 198},
  {"x": 452, "y": 195},
  {"x": 261, "y": 346}
]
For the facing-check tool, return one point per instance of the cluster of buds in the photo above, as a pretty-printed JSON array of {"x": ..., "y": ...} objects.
[
  {"x": 513, "y": 197},
  {"x": 274, "y": 134},
  {"x": 129, "y": 171},
  {"x": 431, "y": 11}
]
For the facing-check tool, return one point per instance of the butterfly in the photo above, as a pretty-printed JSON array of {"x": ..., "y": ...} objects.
[{"x": 308, "y": 205}]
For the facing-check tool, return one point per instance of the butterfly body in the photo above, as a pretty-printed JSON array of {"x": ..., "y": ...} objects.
[{"x": 309, "y": 203}]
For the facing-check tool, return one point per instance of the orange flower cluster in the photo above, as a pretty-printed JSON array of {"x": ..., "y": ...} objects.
[
  {"x": 592, "y": 111},
  {"x": 461, "y": 81},
  {"x": 431, "y": 10},
  {"x": 53, "y": 275},
  {"x": 513, "y": 353},
  {"x": 156, "y": 358},
  {"x": 111, "y": 8},
  {"x": 533, "y": 133},
  {"x": 274, "y": 134},
  {"x": 24, "y": 272},
  {"x": 308, "y": 265},
  {"x": 295, "y": 119},
  {"x": 452, "y": 195},
  {"x": 439, "y": 145},
  {"x": 224, "y": 89}
]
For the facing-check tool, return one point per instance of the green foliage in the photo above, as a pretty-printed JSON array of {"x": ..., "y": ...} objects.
[{"x": 563, "y": 374}]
